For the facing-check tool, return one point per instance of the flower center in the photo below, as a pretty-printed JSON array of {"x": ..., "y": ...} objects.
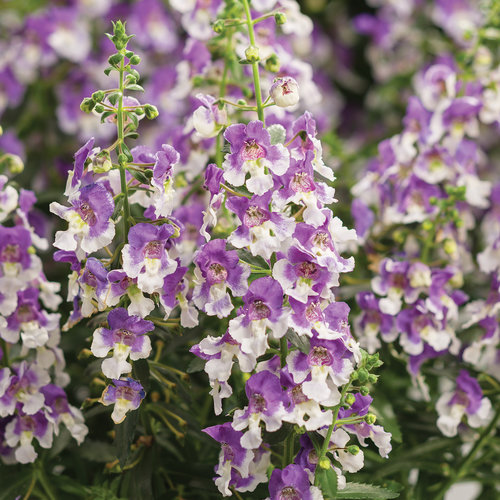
[
  {"x": 298, "y": 396},
  {"x": 314, "y": 313},
  {"x": 254, "y": 216},
  {"x": 258, "y": 403},
  {"x": 307, "y": 270},
  {"x": 228, "y": 452},
  {"x": 289, "y": 493},
  {"x": 320, "y": 356},
  {"x": 124, "y": 337},
  {"x": 216, "y": 273},
  {"x": 302, "y": 183},
  {"x": 10, "y": 253},
  {"x": 153, "y": 250},
  {"x": 252, "y": 151},
  {"x": 258, "y": 310},
  {"x": 87, "y": 214},
  {"x": 321, "y": 240},
  {"x": 25, "y": 313}
]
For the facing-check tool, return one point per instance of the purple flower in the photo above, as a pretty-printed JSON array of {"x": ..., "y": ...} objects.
[
  {"x": 125, "y": 394},
  {"x": 266, "y": 403},
  {"x": 252, "y": 152},
  {"x": 145, "y": 256},
  {"x": 163, "y": 197},
  {"x": 94, "y": 287},
  {"x": 90, "y": 227},
  {"x": 126, "y": 336},
  {"x": 81, "y": 156},
  {"x": 218, "y": 269},
  {"x": 291, "y": 483},
  {"x": 209, "y": 119}
]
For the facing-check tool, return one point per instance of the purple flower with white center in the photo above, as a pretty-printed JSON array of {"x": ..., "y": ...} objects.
[
  {"x": 263, "y": 311},
  {"x": 209, "y": 119},
  {"x": 323, "y": 242},
  {"x": 127, "y": 337},
  {"x": 285, "y": 91},
  {"x": 120, "y": 285},
  {"x": 58, "y": 410},
  {"x": 266, "y": 403},
  {"x": 232, "y": 455},
  {"x": 303, "y": 411},
  {"x": 216, "y": 270},
  {"x": 301, "y": 189},
  {"x": 197, "y": 16},
  {"x": 373, "y": 321},
  {"x": 219, "y": 352},
  {"x": 435, "y": 165},
  {"x": 291, "y": 483},
  {"x": 437, "y": 86},
  {"x": 94, "y": 287},
  {"x": 419, "y": 326},
  {"x": 29, "y": 320},
  {"x": 252, "y": 152},
  {"x": 24, "y": 387},
  {"x": 8, "y": 198},
  {"x": 263, "y": 231},
  {"x": 329, "y": 366},
  {"x": 190, "y": 219},
  {"x": 125, "y": 394},
  {"x": 213, "y": 178},
  {"x": 364, "y": 218},
  {"x": 21, "y": 430},
  {"x": 89, "y": 217},
  {"x": 466, "y": 400},
  {"x": 145, "y": 256},
  {"x": 301, "y": 277},
  {"x": 162, "y": 181}
]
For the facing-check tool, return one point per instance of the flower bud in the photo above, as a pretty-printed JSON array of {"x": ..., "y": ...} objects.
[
  {"x": 13, "y": 163},
  {"x": 285, "y": 92},
  {"x": 273, "y": 63},
  {"x": 353, "y": 449},
  {"x": 363, "y": 375},
  {"x": 372, "y": 378},
  {"x": 99, "y": 108},
  {"x": 101, "y": 163},
  {"x": 135, "y": 60},
  {"x": 1, "y": 130},
  {"x": 219, "y": 26},
  {"x": 151, "y": 111},
  {"x": 87, "y": 105},
  {"x": 364, "y": 390},
  {"x": 324, "y": 463},
  {"x": 252, "y": 54},
  {"x": 370, "y": 418},
  {"x": 280, "y": 18},
  {"x": 98, "y": 96},
  {"x": 350, "y": 399},
  {"x": 122, "y": 159},
  {"x": 450, "y": 246},
  {"x": 427, "y": 225},
  {"x": 115, "y": 59}
]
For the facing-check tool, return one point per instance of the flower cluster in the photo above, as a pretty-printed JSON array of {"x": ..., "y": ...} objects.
[
  {"x": 431, "y": 190},
  {"x": 33, "y": 403}
]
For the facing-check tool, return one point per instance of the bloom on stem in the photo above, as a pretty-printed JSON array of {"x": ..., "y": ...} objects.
[
  {"x": 284, "y": 91},
  {"x": 126, "y": 395}
]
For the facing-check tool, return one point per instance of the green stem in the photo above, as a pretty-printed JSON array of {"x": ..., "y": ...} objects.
[
  {"x": 255, "y": 65},
  {"x": 326, "y": 442},
  {"x": 464, "y": 465},
  {"x": 283, "y": 351},
  {"x": 123, "y": 178},
  {"x": 5, "y": 352}
]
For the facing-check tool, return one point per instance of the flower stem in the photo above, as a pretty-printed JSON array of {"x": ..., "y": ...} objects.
[
  {"x": 255, "y": 65},
  {"x": 123, "y": 178}
]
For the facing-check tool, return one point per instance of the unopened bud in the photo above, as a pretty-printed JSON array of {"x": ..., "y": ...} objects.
[
  {"x": 372, "y": 378},
  {"x": 370, "y": 418},
  {"x": 350, "y": 399},
  {"x": 13, "y": 163},
  {"x": 273, "y": 63},
  {"x": 219, "y": 26},
  {"x": 364, "y": 390},
  {"x": 280, "y": 18},
  {"x": 98, "y": 96},
  {"x": 363, "y": 375},
  {"x": 324, "y": 463},
  {"x": 427, "y": 225},
  {"x": 122, "y": 159},
  {"x": 450, "y": 246},
  {"x": 353, "y": 449},
  {"x": 87, "y": 105},
  {"x": 115, "y": 59},
  {"x": 252, "y": 54},
  {"x": 151, "y": 111},
  {"x": 135, "y": 60},
  {"x": 99, "y": 108},
  {"x": 285, "y": 92}
]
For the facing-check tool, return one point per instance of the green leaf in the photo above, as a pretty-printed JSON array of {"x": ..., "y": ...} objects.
[
  {"x": 138, "y": 176},
  {"x": 141, "y": 371},
  {"x": 255, "y": 261},
  {"x": 125, "y": 435},
  {"x": 196, "y": 365},
  {"x": 97, "y": 451},
  {"x": 127, "y": 153},
  {"x": 327, "y": 482},
  {"x": 134, "y": 86},
  {"x": 299, "y": 341},
  {"x": 113, "y": 98},
  {"x": 360, "y": 491},
  {"x": 15, "y": 484}
]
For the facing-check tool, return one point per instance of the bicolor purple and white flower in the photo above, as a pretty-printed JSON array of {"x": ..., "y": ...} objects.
[
  {"x": 126, "y": 336},
  {"x": 163, "y": 197},
  {"x": 125, "y": 394},
  {"x": 145, "y": 256}
]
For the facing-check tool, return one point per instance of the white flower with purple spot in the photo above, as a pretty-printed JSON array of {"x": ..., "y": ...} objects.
[
  {"x": 145, "y": 257},
  {"x": 8, "y": 198},
  {"x": 285, "y": 91},
  {"x": 126, "y": 336},
  {"x": 164, "y": 194},
  {"x": 209, "y": 119}
]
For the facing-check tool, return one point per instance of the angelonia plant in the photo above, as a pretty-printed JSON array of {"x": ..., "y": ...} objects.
[
  {"x": 263, "y": 275},
  {"x": 33, "y": 403}
]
